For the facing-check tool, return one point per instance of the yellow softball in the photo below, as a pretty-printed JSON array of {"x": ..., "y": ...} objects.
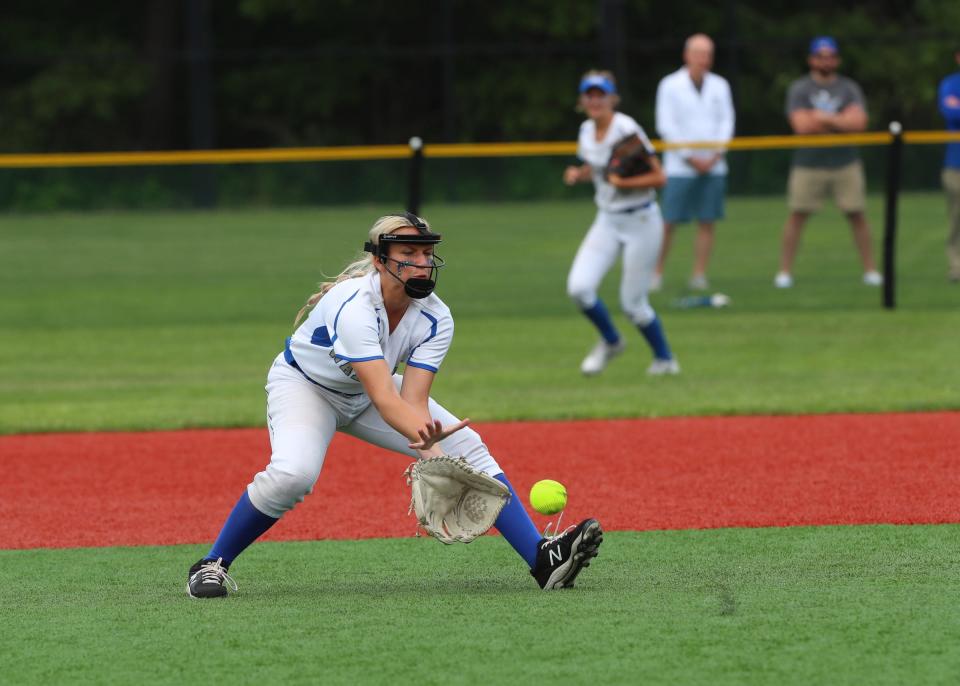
[{"x": 548, "y": 497}]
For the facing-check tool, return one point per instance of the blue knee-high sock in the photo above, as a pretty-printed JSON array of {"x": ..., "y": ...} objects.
[
  {"x": 653, "y": 332},
  {"x": 600, "y": 317},
  {"x": 515, "y": 525},
  {"x": 244, "y": 525}
]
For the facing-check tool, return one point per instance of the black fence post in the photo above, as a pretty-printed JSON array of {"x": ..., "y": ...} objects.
[
  {"x": 895, "y": 152},
  {"x": 416, "y": 174},
  {"x": 199, "y": 36}
]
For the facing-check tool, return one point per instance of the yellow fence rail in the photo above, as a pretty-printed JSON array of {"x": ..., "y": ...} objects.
[{"x": 437, "y": 150}]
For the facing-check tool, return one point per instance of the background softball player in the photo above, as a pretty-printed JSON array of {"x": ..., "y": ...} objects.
[
  {"x": 338, "y": 373},
  {"x": 628, "y": 220}
]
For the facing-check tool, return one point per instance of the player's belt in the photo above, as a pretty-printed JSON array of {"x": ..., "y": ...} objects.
[
  {"x": 288, "y": 356},
  {"x": 635, "y": 208}
]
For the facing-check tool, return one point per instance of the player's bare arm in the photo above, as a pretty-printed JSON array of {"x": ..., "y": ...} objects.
[
  {"x": 415, "y": 389},
  {"x": 414, "y": 423}
]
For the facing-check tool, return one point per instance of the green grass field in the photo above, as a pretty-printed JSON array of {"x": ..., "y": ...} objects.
[
  {"x": 838, "y": 605},
  {"x": 124, "y": 321},
  {"x": 150, "y": 321}
]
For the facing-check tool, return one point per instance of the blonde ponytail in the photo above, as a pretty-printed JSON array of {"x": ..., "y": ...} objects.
[{"x": 362, "y": 266}]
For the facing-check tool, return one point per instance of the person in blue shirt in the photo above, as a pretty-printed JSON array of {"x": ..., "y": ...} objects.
[{"x": 948, "y": 98}]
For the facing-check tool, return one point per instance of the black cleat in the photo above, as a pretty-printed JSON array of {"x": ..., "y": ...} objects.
[
  {"x": 206, "y": 579},
  {"x": 561, "y": 558}
]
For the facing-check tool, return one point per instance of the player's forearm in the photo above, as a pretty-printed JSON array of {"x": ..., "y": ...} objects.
[{"x": 404, "y": 417}]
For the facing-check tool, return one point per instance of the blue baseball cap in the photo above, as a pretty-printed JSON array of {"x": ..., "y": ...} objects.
[
  {"x": 823, "y": 43},
  {"x": 597, "y": 81}
]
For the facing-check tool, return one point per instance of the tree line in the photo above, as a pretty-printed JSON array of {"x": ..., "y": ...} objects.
[{"x": 174, "y": 74}]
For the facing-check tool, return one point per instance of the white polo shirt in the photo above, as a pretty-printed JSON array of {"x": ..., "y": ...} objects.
[
  {"x": 687, "y": 114},
  {"x": 597, "y": 155},
  {"x": 349, "y": 324}
]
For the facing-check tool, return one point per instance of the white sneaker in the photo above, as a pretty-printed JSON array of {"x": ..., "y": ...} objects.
[
  {"x": 601, "y": 354},
  {"x": 783, "y": 280},
  {"x": 698, "y": 282},
  {"x": 873, "y": 278},
  {"x": 656, "y": 283},
  {"x": 661, "y": 367}
]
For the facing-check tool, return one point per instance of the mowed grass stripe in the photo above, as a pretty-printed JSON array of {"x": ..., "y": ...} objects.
[
  {"x": 171, "y": 319},
  {"x": 871, "y": 604}
]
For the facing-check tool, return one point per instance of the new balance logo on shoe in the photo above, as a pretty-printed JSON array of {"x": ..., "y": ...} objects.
[
  {"x": 561, "y": 558},
  {"x": 555, "y": 556}
]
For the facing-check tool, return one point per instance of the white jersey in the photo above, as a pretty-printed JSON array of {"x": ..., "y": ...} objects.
[
  {"x": 349, "y": 324},
  {"x": 597, "y": 155},
  {"x": 685, "y": 114}
]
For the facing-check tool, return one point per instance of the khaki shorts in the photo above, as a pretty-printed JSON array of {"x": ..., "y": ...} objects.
[{"x": 808, "y": 186}]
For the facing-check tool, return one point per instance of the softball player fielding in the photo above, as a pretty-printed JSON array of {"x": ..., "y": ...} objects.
[
  {"x": 628, "y": 220},
  {"x": 338, "y": 372}
]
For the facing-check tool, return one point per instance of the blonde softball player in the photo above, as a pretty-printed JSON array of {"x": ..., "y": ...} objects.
[
  {"x": 338, "y": 373},
  {"x": 628, "y": 222}
]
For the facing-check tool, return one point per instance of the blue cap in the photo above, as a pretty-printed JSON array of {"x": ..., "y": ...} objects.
[
  {"x": 823, "y": 43},
  {"x": 597, "y": 81}
]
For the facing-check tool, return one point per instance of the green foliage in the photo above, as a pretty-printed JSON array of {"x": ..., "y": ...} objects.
[
  {"x": 165, "y": 320},
  {"x": 286, "y": 72},
  {"x": 839, "y": 605}
]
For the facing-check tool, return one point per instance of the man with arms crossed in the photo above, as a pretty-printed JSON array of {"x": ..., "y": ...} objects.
[
  {"x": 825, "y": 102},
  {"x": 693, "y": 104}
]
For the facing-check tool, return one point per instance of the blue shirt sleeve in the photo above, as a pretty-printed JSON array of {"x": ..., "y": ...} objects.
[{"x": 948, "y": 99}]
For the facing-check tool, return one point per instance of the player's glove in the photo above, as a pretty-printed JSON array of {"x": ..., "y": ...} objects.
[
  {"x": 454, "y": 502},
  {"x": 629, "y": 157}
]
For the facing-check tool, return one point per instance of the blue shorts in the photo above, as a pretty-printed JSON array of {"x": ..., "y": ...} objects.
[{"x": 693, "y": 197}]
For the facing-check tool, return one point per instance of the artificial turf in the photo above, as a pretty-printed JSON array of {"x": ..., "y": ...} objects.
[
  {"x": 170, "y": 319},
  {"x": 870, "y": 604},
  {"x": 163, "y": 320}
]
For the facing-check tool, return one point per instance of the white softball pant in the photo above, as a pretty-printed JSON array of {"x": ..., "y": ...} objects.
[
  {"x": 639, "y": 235},
  {"x": 302, "y": 419}
]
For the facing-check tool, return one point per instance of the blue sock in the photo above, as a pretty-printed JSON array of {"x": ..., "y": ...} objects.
[
  {"x": 244, "y": 525},
  {"x": 653, "y": 332},
  {"x": 515, "y": 525},
  {"x": 600, "y": 317}
]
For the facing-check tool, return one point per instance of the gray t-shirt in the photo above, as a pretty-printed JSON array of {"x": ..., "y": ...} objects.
[{"x": 807, "y": 94}]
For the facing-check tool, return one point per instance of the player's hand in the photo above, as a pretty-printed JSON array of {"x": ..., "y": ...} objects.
[
  {"x": 434, "y": 432},
  {"x": 571, "y": 175},
  {"x": 616, "y": 180}
]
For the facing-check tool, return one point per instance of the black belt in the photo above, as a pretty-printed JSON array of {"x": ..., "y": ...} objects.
[{"x": 631, "y": 210}]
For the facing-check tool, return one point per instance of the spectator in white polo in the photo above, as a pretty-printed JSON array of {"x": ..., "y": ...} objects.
[{"x": 694, "y": 104}]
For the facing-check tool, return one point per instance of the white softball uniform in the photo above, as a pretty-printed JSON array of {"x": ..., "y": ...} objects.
[
  {"x": 627, "y": 222},
  {"x": 313, "y": 391},
  {"x": 686, "y": 114}
]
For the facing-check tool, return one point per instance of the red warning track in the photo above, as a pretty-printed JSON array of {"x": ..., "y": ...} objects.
[{"x": 158, "y": 488}]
